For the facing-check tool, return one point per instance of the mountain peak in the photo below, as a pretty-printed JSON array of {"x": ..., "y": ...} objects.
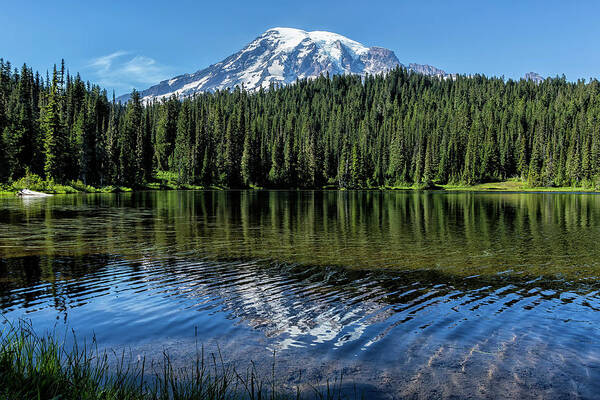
[
  {"x": 534, "y": 77},
  {"x": 293, "y": 37},
  {"x": 280, "y": 56},
  {"x": 426, "y": 69}
]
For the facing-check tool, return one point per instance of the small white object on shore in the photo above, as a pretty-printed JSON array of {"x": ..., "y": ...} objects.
[{"x": 31, "y": 193}]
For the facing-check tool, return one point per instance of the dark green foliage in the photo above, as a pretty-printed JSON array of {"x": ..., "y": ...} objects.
[
  {"x": 398, "y": 129},
  {"x": 166, "y": 130},
  {"x": 184, "y": 157},
  {"x": 131, "y": 143},
  {"x": 55, "y": 144}
]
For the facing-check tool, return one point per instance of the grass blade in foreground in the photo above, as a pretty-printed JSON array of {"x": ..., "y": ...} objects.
[{"x": 42, "y": 367}]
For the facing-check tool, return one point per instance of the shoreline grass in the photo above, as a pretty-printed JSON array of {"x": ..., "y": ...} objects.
[
  {"x": 513, "y": 185},
  {"x": 164, "y": 180},
  {"x": 44, "y": 367}
]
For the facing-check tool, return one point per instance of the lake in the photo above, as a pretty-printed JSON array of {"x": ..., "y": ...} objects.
[{"x": 405, "y": 294}]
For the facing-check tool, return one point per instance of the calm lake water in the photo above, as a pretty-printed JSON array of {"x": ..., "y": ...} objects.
[{"x": 406, "y": 294}]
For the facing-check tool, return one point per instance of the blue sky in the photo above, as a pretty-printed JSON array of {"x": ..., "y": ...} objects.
[{"x": 125, "y": 44}]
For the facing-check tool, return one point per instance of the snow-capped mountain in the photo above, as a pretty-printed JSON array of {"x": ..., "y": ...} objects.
[{"x": 281, "y": 56}]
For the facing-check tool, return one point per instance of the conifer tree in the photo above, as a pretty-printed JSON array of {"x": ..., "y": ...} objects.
[
  {"x": 130, "y": 154},
  {"x": 183, "y": 156},
  {"x": 112, "y": 147},
  {"x": 54, "y": 135},
  {"x": 276, "y": 175}
]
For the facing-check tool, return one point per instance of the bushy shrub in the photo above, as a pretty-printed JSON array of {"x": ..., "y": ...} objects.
[{"x": 31, "y": 182}]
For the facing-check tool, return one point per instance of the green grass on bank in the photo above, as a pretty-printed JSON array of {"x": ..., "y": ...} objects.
[
  {"x": 514, "y": 185},
  {"x": 162, "y": 181},
  {"x": 165, "y": 180},
  {"x": 36, "y": 183},
  {"x": 44, "y": 368}
]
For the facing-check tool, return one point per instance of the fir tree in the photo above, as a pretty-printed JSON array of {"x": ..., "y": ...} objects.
[
  {"x": 130, "y": 155},
  {"x": 54, "y": 135}
]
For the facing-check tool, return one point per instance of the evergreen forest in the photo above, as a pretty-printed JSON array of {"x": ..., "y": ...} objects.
[{"x": 395, "y": 130}]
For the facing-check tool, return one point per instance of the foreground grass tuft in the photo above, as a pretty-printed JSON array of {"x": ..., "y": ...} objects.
[{"x": 41, "y": 367}]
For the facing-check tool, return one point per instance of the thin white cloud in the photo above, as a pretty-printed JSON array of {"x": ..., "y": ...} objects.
[
  {"x": 104, "y": 63},
  {"x": 122, "y": 70}
]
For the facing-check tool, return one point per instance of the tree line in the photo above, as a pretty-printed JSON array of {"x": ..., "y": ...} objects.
[{"x": 397, "y": 129}]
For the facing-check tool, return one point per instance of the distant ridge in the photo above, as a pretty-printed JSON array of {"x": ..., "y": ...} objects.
[{"x": 533, "y": 76}]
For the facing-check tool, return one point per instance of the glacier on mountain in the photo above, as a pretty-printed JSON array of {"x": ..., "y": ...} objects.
[{"x": 281, "y": 56}]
